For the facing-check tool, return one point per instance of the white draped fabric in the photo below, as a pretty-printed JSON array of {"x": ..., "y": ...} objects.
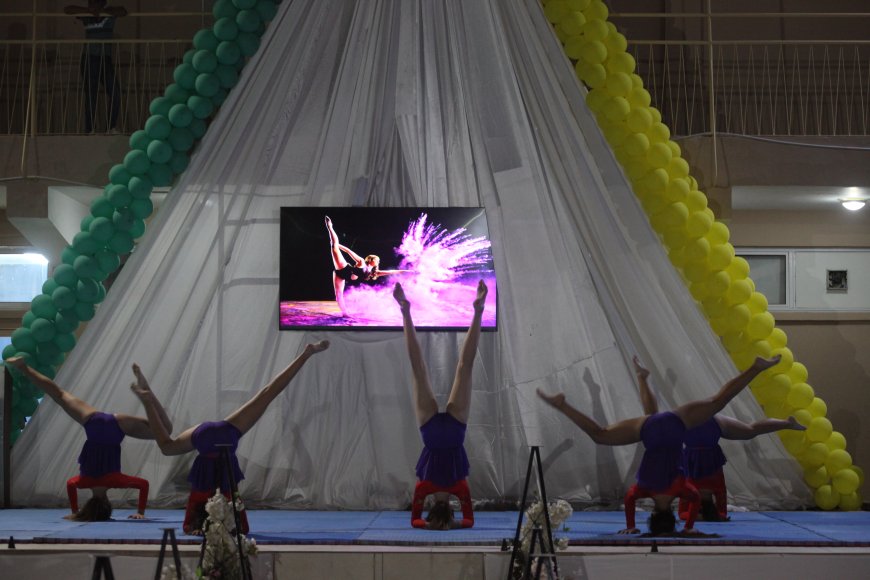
[{"x": 401, "y": 103}]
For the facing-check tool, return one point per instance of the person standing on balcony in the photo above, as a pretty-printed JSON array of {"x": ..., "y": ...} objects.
[{"x": 96, "y": 63}]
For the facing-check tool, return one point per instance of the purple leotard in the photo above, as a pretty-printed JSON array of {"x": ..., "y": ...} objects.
[
  {"x": 443, "y": 460},
  {"x": 662, "y": 436},
  {"x": 101, "y": 453},
  {"x": 205, "y": 438},
  {"x": 702, "y": 456}
]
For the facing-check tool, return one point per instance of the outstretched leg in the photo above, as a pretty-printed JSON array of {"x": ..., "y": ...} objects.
[
  {"x": 245, "y": 417},
  {"x": 623, "y": 433},
  {"x": 338, "y": 261},
  {"x": 459, "y": 403},
  {"x": 698, "y": 412},
  {"x": 425, "y": 405},
  {"x": 73, "y": 406},
  {"x": 647, "y": 399},
  {"x": 734, "y": 429}
]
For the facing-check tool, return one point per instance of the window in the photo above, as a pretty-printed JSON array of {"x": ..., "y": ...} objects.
[{"x": 22, "y": 276}]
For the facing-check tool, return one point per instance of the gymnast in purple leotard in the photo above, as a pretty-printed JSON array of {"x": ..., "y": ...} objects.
[
  {"x": 100, "y": 457},
  {"x": 660, "y": 475},
  {"x": 205, "y": 438},
  {"x": 443, "y": 465}
]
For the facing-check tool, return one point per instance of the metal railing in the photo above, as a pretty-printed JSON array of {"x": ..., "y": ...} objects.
[{"x": 788, "y": 87}]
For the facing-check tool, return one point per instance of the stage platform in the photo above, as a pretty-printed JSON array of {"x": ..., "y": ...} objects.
[{"x": 382, "y": 545}]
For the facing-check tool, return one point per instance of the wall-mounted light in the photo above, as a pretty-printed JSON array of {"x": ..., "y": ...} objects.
[{"x": 853, "y": 204}]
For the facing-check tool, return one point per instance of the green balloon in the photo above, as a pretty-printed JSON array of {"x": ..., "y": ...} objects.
[
  {"x": 249, "y": 43},
  {"x": 64, "y": 298},
  {"x": 65, "y": 322},
  {"x": 201, "y": 106},
  {"x": 140, "y": 186},
  {"x": 176, "y": 94},
  {"x": 219, "y": 98},
  {"x": 119, "y": 174},
  {"x": 102, "y": 295},
  {"x": 124, "y": 218},
  {"x": 160, "y": 174},
  {"x": 205, "y": 40},
  {"x": 42, "y": 306},
  {"x": 28, "y": 406},
  {"x": 42, "y": 329},
  {"x": 142, "y": 208},
  {"x": 158, "y": 127},
  {"x": 88, "y": 291},
  {"x": 119, "y": 195},
  {"x": 180, "y": 115},
  {"x": 23, "y": 340},
  {"x": 68, "y": 255},
  {"x": 227, "y": 76},
  {"x": 181, "y": 139},
  {"x": 159, "y": 106},
  {"x": 9, "y": 351},
  {"x": 121, "y": 242},
  {"x": 136, "y": 162},
  {"x": 108, "y": 260},
  {"x": 224, "y": 9},
  {"x": 248, "y": 20},
  {"x": 65, "y": 275},
  {"x": 138, "y": 140},
  {"x": 244, "y": 4},
  {"x": 49, "y": 286},
  {"x": 266, "y": 9},
  {"x": 84, "y": 243},
  {"x": 226, "y": 29},
  {"x": 204, "y": 61},
  {"x": 185, "y": 75},
  {"x": 228, "y": 52},
  {"x": 27, "y": 319},
  {"x": 102, "y": 207},
  {"x": 66, "y": 342},
  {"x": 85, "y": 312},
  {"x": 138, "y": 229},
  {"x": 188, "y": 56},
  {"x": 198, "y": 128},
  {"x": 207, "y": 85},
  {"x": 101, "y": 230},
  {"x": 179, "y": 162},
  {"x": 159, "y": 152},
  {"x": 85, "y": 224},
  {"x": 87, "y": 267},
  {"x": 48, "y": 355}
]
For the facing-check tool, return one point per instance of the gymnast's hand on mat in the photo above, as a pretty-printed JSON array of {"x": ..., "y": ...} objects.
[
  {"x": 314, "y": 348},
  {"x": 136, "y": 516},
  {"x": 794, "y": 425},
  {"x": 629, "y": 531},
  {"x": 556, "y": 400},
  {"x": 691, "y": 532},
  {"x": 641, "y": 371}
]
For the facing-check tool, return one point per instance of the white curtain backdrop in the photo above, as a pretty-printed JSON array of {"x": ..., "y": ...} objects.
[{"x": 401, "y": 103}]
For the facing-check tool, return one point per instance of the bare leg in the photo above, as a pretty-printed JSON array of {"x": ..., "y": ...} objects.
[
  {"x": 245, "y": 417},
  {"x": 647, "y": 399},
  {"x": 73, "y": 406},
  {"x": 425, "y": 405},
  {"x": 338, "y": 261},
  {"x": 734, "y": 429},
  {"x": 338, "y": 286},
  {"x": 168, "y": 444},
  {"x": 698, "y": 412},
  {"x": 459, "y": 403},
  {"x": 623, "y": 433}
]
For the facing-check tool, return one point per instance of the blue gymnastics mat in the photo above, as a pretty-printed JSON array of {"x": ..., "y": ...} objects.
[{"x": 592, "y": 528}]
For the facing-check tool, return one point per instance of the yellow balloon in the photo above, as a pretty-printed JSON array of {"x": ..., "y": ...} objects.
[
  {"x": 720, "y": 254},
  {"x": 835, "y": 441},
  {"x": 719, "y": 234},
  {"x": 555, "y": 11},
  {"x": 803, "y": 417},
  {"x": 596, "y": 10},
  {"x": 636, "y": 81},
  {"x": 659, "y": 154},
  {"x": 678, "y": 190},
  {"x": 675, "y": 237},
  {"x": 757, "y": 304},
  {"x": 636, "y": 145},
  {"x": 641, "y": 98},
  {"x": 675, "y": 149},
  {"x": 817, "y": 408},
  {"x": 595, "y": 100},
  {"x": 616, "y": 42},
  {"x": 618, "y": 84},
  {"x": 845, "y": 481},
  {"x": 679, "y": 168},
  {"x": 732, "y": 341},
  {"x": 594, "y": 30},
  {"x": 717, "y": 282},
  {"x": 798, "y": 372},
  {"x": 738, "y": 293},
  {"x": 657, "y": 115},
  {"x": 697, "y": 249},
  {"x": 659, "y": 133},
  {"x": 800, "y": 395},
  {"x": 775, "y": 388},
  {"x": 794, "y": 442},
  {"x": 826, "y": 497},
  {"x": 785, "y": 362},
  {"x": 620, "y": 61},
  {"x": 814, "y": 456},
  {"x": 738, "y": 316},
  {"x": 572, "y": 23},
  {"x": 860, "y": 473},
  {"x": 593, "y": 51},
  {"x": 593, "y": 75},
  {"x": 657, "y": 180},
  {"x": 777, "y": 338},
  {"x": 695, "y": 272},
  {"x": 779, "y": 411},
  {"x": 675, "y": 215},
  {"x": 837, "y": 460},
  {"x": 653, "y": 204},
  {"x": 639, "y": 120},
  {"x": 742, "y": 359},
  {"x": 577, "y": 5},
  {"x": 719, "y": 326},
  {"x": 699, "y": 290},
  {"x": 760, "y": 325},
  {"x": 760, "y": 348},
  {"x": 851, "y": 502},
  {"x": 696, "y": 200},
  {"x": 738, "y": 269},
  {"x": 819, "y": 429},
  {"x": 616, "y": 108},
  {"x": 816, "y": 476}
]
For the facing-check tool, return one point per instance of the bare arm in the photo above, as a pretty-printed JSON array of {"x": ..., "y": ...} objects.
[
  {"x": 353, "y": 255},
  {"x": 622, "y": 433},
  {"x": 738, "y": 430},
  {"x": 647, "y": 399}
]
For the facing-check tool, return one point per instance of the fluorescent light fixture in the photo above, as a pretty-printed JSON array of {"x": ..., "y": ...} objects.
[{"x": 853, "y": 204}]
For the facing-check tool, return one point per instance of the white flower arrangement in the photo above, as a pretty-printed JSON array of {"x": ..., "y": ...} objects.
[
  {"x": 221, "y": 557},
  {"x": 559, "y": 510}
]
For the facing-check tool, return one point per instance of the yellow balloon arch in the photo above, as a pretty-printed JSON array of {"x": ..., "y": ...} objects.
[{"x": 698, "y": 245}]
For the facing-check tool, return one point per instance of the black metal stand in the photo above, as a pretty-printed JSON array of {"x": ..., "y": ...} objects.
[
  {"x": 548, "y": 550},
  {"x": 101, "y": 565},
  {"x": 168, "y": 533},
  {"x": 542, "y": 556},
  {"x": 225, "y": 468}
]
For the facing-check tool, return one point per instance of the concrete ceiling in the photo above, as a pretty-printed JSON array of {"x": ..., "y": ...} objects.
[{"x": 794, "y": 198}]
